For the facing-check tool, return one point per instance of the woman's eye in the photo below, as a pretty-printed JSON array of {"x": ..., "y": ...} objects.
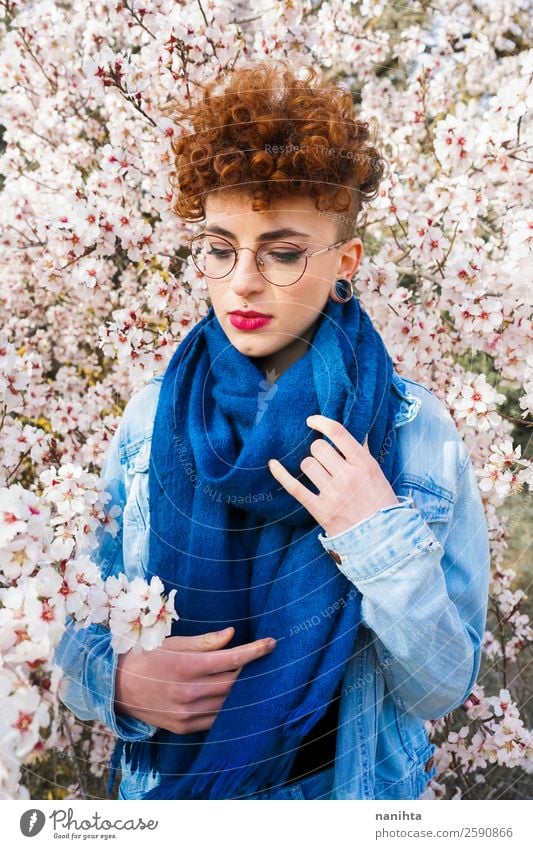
[{"x": 286, "y": 256}]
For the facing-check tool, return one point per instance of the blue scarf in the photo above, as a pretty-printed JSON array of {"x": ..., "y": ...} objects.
[{"x": 241, "y": 551}]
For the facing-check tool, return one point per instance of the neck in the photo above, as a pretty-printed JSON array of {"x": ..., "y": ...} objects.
[{"x": 281, "y": 360}]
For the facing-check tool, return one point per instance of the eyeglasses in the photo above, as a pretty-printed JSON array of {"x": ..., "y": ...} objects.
[{"x": 281, "y": 263}]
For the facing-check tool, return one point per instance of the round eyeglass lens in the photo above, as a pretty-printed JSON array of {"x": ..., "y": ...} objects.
[{"x": 282, "y": 263}]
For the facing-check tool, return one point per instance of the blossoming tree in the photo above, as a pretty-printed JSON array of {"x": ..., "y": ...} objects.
[{"x": 96, "y": 292}]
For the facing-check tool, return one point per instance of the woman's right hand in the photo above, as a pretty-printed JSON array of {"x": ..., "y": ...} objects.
[{"x": 182, "y": 684}]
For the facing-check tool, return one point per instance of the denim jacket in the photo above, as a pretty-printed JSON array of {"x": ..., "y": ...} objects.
[{"x": 423, "y": 569}]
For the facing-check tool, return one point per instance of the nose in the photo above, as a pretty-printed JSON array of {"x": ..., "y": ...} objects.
[{"x": 245, "y": 277}]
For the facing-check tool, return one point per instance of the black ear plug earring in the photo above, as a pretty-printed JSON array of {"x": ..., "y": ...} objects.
[{"x": 346, "y": 291}]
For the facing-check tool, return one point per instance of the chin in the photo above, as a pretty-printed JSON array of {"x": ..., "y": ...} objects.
[
  {"x": 253, "y": 343},
  {"x": 250, "y": 350}
]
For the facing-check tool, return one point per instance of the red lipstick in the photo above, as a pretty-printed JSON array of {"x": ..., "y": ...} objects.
[{"x": 248, "y": 319}]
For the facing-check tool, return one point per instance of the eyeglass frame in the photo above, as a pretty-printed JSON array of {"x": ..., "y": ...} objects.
[{"x": 304, "y": 253}]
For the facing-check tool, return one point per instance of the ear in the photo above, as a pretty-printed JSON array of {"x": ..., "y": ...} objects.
[{"x": 352, "y": 254}]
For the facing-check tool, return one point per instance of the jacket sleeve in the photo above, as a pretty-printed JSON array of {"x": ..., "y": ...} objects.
[
  {"x": 85, "y": 655},
  {"x": 425, "y": 601}
]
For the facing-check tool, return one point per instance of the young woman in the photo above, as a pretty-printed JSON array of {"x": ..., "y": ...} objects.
[{"x": 318, "y": 514}]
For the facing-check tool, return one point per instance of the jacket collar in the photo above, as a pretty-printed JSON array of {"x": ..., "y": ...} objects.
[{"x": 410, "y": 404}]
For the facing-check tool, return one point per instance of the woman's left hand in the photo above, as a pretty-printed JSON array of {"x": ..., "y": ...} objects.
[{"x": 351, "y": 484}]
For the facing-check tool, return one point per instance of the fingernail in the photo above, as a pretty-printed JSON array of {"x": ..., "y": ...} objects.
[{"x": 271, "y": 644}]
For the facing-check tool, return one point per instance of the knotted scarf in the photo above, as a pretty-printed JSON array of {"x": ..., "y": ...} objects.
[{"x": 240, "y": 550}]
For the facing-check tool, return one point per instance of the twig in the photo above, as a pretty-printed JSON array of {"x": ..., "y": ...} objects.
[
  {"x": 138, "y": 19},
  {"x": 74, "y": 759}
]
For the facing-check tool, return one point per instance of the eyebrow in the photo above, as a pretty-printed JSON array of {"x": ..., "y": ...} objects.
[{"x": 271, "y": 234}]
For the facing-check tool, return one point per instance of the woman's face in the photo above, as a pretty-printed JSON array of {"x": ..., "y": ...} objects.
[{"x": 294, "y": 309}]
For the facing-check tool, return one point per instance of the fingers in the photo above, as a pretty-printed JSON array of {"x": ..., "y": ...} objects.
[
  {"x": 202, "y": 723},
  {"x": 184, "y": 725},
  {"x": 341, "y": 438},
  {"x": 182, "y": 686},
  {"x": 200, "y": 655},
  {"x": 200, "y": 707},
  {"x": 211, "y": 686},
  {"x": 330, "y": 457},
  {"x": 201, "y": 642},
  {"x": 226, "y": 659},
  {"x": 327, "y": 456},
  {"x": 316, "y": 473},
  {"x": 293, "y": 486}
]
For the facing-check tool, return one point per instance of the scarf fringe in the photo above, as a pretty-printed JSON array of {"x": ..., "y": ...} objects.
[
  {"x": 114, "y": 763},
  {"x": 226, "y": 781},
  {"x": 229, "y": 780}
]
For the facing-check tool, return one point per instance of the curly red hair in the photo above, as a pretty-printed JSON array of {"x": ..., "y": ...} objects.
[{"x": 272, "y": 134}]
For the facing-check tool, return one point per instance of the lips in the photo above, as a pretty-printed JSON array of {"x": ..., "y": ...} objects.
[
  {"x": 250, "y": 314},
  {"x": 248, "y": 320}
]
